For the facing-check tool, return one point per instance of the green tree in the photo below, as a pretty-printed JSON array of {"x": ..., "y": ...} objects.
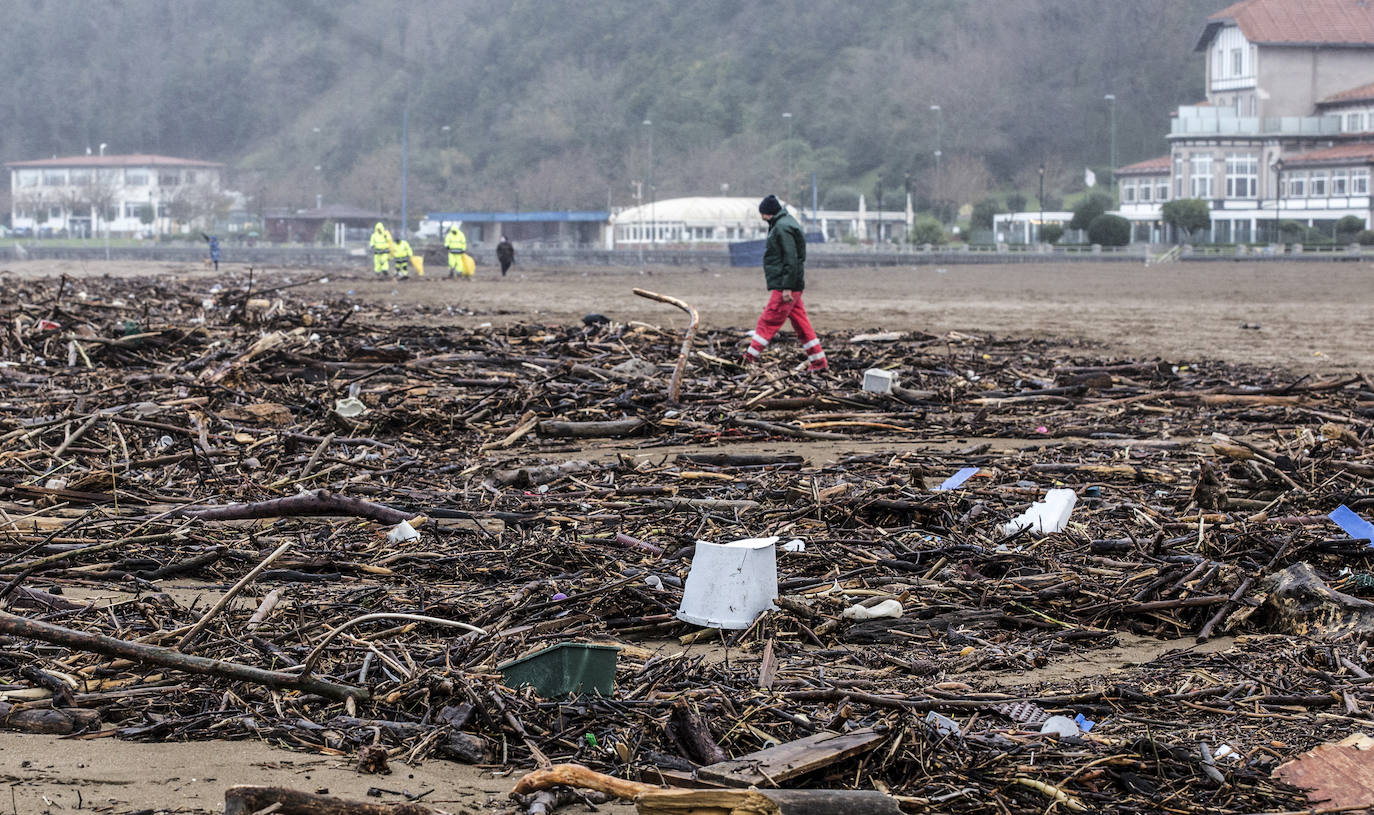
[
  {"x": 145, "y": 214},
  {"x": 1089, "y": 210},
  {"x": 927, "y": 230},
  {"x": 1016, "y": 202},
  {"x": 1292, "y": 231},
  {"x": 1051, "y": 233},
  {"x": 983, "y": 213},
  {"x": 1187, "y": 215},
  {"x": 1109, "y": 230},
  {"x": 1365, "y": 237}
]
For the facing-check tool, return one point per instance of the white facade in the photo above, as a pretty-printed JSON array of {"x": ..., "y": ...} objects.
[
  {"x": 89, "y": 195},
  {"x": 679, "y": 221}
]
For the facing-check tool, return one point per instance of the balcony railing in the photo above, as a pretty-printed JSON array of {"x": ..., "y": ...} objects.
[{"x": 1193, "y": 120}]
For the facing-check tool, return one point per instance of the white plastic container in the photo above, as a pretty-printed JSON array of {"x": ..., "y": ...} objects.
[
  {"x": 1045, "y": 517},
  {"x": 876, "y": 380},
  {"x": 730, "y": 583}
]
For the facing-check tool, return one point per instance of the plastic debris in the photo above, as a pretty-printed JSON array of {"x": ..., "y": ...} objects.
[
  {"x": 954, "y": 481},
  {"x": 1045, "y": 517},
  {"x": 402, "y": 532},
  {"x": 943, "y": 725},
  {"x": 1084, "y": 723},
  {"x": 887, "y": 608},
  {"x": 1060, "y": 726},
  {"x": 795, "y": 545},
  {"x": 876, "y": 380},
  {"x": 1352, "y": 524},
  {"x": 349, "y": 406}
]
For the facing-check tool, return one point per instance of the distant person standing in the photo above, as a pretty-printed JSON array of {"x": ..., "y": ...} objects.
[
  {"x": 380, "y": 242},
  {"x": 784, "y": 271},
  {"x": 213, "y": 240},
  {"x": 400, "y": 258},
  {"x": 457, "y": 245},
  {"x": 505, "y": 254}
]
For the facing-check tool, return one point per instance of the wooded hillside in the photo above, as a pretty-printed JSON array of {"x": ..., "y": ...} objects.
[{"x": 545, "y": 101}]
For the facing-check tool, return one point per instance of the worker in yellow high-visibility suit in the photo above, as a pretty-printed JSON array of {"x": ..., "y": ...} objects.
[
  {"x": 457, "y": 245},
  {"x": 380, "y": 243},
  {"x": 400, "y": 258}
]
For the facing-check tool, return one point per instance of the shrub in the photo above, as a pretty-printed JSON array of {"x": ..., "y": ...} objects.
[
  {"x": 927, "y": 230},
  {"x": 1051, "y": 233},
  {"x": 983, "y": 213},
  {"x": 1348, "y": 226},
  {"x": 1109, "y": 230},
  {"x": 1365, "y": 237},
  {"x": 1089, "y": 210},
  {"x": 1016, "y": 202}
]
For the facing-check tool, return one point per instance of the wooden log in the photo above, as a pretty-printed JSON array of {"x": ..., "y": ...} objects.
[
  {"x": 16, "y": 626},
  {"x": 589, "y": 430},
  {"x": 533, "y": 476},
  {"x": 47, "y": 720},
  {"x": 320, "y": 502},
  {"x": 687, "y": 727},
  {"x": 247, "y": 800},
  {"x": 767, "y": 802}
]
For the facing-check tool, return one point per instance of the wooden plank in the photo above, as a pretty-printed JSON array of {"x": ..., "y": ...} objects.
[{"x": 770, "y": 766}]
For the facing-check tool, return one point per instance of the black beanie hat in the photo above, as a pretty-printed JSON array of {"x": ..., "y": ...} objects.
[{"x": 770, "y": 205}]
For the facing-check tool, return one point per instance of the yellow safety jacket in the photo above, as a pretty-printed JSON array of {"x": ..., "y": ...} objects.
[
  {"x": 401, "y": 249},
  {"x": 455, "y": 240},
  {"x": 380, "y": 241}
]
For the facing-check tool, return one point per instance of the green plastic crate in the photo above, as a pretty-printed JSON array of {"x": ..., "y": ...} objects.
[{"x": 563, "y": 669}]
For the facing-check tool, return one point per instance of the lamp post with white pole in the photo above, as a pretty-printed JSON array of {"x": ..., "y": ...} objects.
[
  {"x": 939, "y": 133},
  {"x": 1111, "y": 102},
  {"x": 653, "y": 223},
  {"x": 1040, "y": 238},
  {"x": 787, "y": 159}
]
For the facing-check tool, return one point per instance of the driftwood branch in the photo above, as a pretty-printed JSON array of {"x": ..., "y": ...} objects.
[
  {"x": 17, "y": 626},
  {"x": 246, "y": 800},
  {"x": 320, "y": 502},
  {"x": 675, "y": 384}
]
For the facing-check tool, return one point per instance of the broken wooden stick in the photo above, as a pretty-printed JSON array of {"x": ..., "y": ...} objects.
[
  {"x": 319, "y": 502},
  {"x": 16, "y": 626},
  {"x": 186, "y": 641},
  {"x": 675, "y": 384},
  {"x": 246, "y": 800}
]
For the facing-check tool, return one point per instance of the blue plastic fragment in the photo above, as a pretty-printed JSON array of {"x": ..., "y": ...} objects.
[
  {"x": 1084, "y": 723},
  {"x": 958, "y": 478},
  {"x": 1352, "y": 524}
]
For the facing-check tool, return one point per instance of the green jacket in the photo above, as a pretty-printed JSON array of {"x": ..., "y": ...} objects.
[{"x": 784, "y": 255}]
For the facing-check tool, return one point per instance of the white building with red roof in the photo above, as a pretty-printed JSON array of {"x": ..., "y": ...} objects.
[
  {"x": 129, "y": 194},
  {"x": 1286, "y": 132}
]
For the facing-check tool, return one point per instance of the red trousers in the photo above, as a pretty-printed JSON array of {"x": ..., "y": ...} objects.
[{"x": 774, "y": 315}]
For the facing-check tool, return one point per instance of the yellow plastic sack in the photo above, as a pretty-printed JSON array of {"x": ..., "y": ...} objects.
[
  {"x": 469, "y": 265},
  {"x": 419, "y": 263}
]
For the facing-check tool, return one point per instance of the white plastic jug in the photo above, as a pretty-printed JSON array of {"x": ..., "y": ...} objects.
[
  {"x": 730, "y": 583},
  {"x": 1045, "y": 517}
]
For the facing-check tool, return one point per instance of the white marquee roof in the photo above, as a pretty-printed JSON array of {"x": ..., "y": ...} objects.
[{"x": 699, "y": 211}]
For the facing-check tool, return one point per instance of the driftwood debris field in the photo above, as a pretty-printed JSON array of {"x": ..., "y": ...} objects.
[{"x": 329, "y": 529}]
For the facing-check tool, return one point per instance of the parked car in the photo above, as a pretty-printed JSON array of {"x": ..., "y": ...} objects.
[{"x": 23, "y": 232}]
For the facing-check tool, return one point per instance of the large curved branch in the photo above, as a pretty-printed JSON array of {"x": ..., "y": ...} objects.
[
  {"x": 319, "y": 502},
  {"x": 675, "y": 384}
]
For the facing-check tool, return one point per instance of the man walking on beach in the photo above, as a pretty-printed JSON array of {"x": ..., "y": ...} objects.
[{"x": 784, "y": 271}]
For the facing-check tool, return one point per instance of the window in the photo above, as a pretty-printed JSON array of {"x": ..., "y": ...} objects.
[
  {"x": 1178, "y": 177},
  {"x": 1354, "y": 122},
  {"x": 190, "y": 176},
  {"x": 1338, "y": 182},
  {"x": 1202, "y": 176},
  {"x": 1359, "y": 181},
  {"x": 168, "y": 179},
  {"x": 1237, "y": 62},
  {"x": 1242, "y": 175},
  {"x": 135, "y": 178},
  {"x": 133, "y": 208},
  {"x": 54, "y": 212},
  {"x": 1297, "y": 185},
  {"x": 81, "y": 178},
  {"x": 1217, "y": 59},
  {"x": 1317, "y": 186},
  {"x": 1162, "y": 191},
  {"x": 1128, "y": 192},
  {"x": 54, "y": 178},
  {"x": 1145, "y": 189},
  {"x": 29, "y": 178}
]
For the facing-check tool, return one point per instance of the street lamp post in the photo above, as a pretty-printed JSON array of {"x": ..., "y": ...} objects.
[
  {"x": 879, "y": 195},
  {"x": 1278, "y": 201},
  {"x": 787, "y": 159},
  {"x": 319, "y": 164},
  {"x": 653, "y": 224},
  {"x": 1040, "y": 236},
  {"x": 1111, "y": 101},
  {"x": 939, "y": 133}
]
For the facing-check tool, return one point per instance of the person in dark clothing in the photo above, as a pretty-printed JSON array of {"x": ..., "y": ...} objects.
[
  {"x": 505, "y": 254},
  {"x": 213, "y": 240},
  {"x": 784, "y": 271}
]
